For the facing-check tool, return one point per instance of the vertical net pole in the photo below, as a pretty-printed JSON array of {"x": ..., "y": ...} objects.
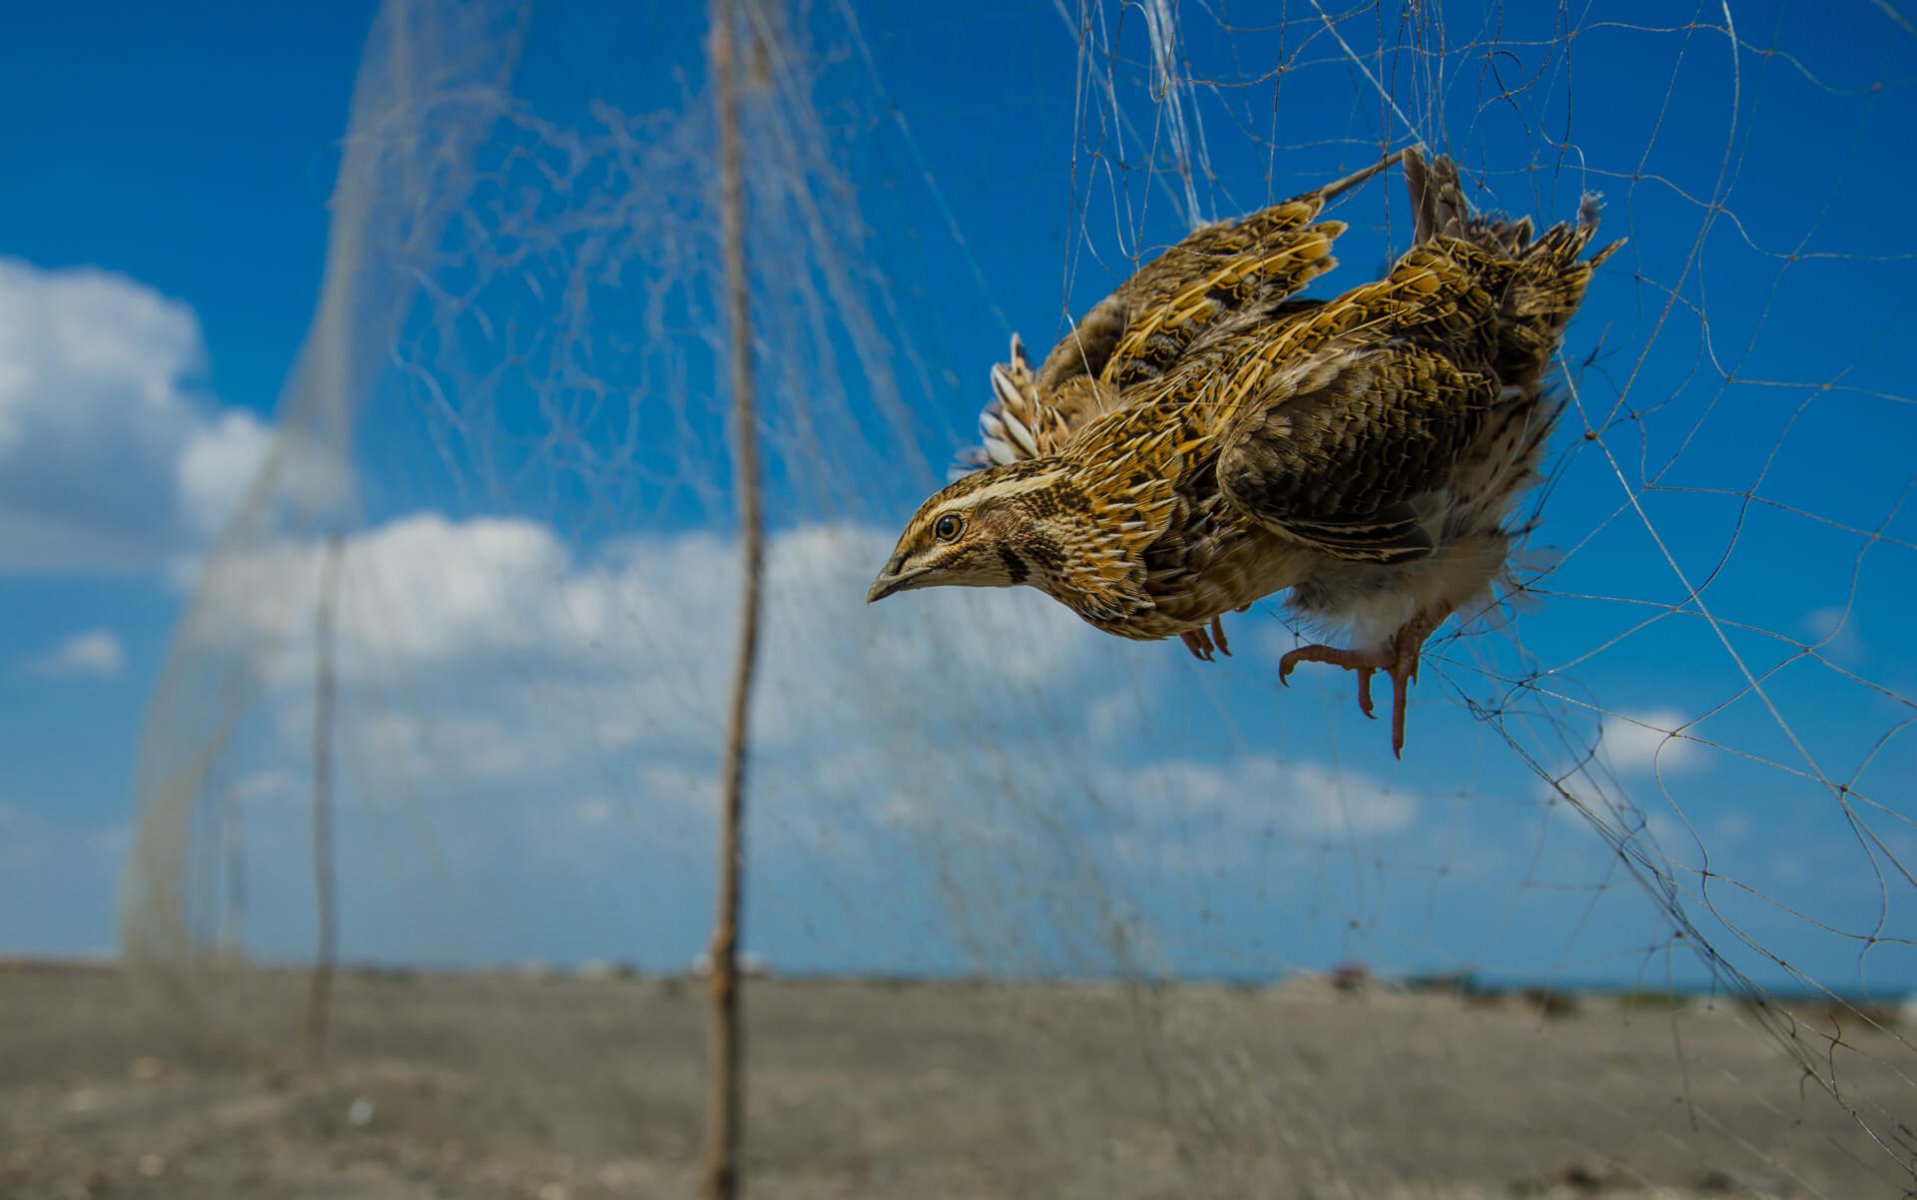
[
  {"x": 325, "y": 893},
  {"x": 724, "y": 1106}
]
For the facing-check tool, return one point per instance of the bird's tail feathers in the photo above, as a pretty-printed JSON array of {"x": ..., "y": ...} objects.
[
  {"x": 1553, "y": 273},
  {"x": 1548, "y": 273},
  {"x": 1440, "y": 210},
  {"x": 1438, "y": 205},
  {"x": 1006, "y": 423}
]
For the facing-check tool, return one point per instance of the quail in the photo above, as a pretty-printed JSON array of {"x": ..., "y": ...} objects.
[{"x": 1203, "y": 438}]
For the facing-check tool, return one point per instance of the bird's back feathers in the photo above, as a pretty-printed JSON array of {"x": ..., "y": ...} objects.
[
  {"x": 1223, "y": 275},
  {"x": 1391, "y": 425}
]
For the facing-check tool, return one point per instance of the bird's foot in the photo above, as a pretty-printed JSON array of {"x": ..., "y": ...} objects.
[
  {"x": 1201, "y": 644},
  {"x": 1397, "y": 658},
  {"x": 1198, "y": 643}
]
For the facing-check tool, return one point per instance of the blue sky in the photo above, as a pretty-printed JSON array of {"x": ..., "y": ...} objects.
[
  {"x": 145, "y": 163},
  {"x": 536, "y": 605}
]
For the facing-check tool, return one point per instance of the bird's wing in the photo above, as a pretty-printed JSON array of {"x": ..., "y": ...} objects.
[
  {"x": 1023, "y": 420},
  {"x": 1334, "y": 455},
  {"x": 1217, "y": 273},
  {"x": 1244, "y": 271},
  {"x": 1330, "y": 428}
]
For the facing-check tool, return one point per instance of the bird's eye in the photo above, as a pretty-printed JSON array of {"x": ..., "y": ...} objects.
[{"x": 949, "y": 527}]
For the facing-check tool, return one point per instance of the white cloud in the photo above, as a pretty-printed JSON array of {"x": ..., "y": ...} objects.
[
  {"x": 95, "y": 652},
  {"x": 271, "y": 784},
  {"x": 1644, "y": 742},
  {"x": 110, "y": 458},
  {"x": 1303, "y": 798},
  {"x": 636, "y": 646},
  {"x": 1833, "y": 632},
  {"x": 484, "y": 657},
  {"x": 1242, "y": 814},
  {"x": 217, "y": 465},
  {"x": 28, "y": 838},
  {"x": 487, "y": 667},
  {"x": 513, "y": 703}
]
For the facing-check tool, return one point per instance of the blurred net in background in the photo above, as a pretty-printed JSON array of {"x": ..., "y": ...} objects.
[{"x": 1673, "y": 769}]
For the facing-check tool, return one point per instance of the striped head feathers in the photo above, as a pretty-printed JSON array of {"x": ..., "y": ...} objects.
[{"x": 1032, "y": 523}]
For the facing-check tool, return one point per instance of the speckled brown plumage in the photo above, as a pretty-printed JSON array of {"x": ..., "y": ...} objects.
[
  {"x": 1202, "y": 439},
  {"x": 1224, "y": 275}
]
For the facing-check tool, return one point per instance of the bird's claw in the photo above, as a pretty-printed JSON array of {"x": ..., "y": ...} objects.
[
  {"x": 1202, "y": 644},
  {"x": 1198, "y": 643},
  {"x": 1398, "y": 660},
  {"x": 1365, "y": 663}
]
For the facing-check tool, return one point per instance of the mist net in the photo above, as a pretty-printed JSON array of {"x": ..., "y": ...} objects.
[{"x": 471, "y": 632}]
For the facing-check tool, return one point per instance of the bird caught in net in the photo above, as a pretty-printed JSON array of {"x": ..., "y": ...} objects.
[{"x": 1202, "y": 439}]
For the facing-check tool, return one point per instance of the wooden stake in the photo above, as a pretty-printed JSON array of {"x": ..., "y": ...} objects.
[
  {"x": 724, "y": 1110},
  {"x": 319, "y": 990}
]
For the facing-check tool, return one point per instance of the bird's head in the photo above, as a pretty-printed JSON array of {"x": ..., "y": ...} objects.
[
  {"x": 1036, "y": 522},
  {"x": 992, "y": 528}
]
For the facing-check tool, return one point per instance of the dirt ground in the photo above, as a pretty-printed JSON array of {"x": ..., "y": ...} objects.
[{"x": 566, "y": 1088}]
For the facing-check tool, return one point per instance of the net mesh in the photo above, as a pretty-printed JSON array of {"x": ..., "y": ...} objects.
[{"x": 1671, "y": 763}]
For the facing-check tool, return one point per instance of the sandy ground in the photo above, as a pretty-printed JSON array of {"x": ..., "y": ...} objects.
[{"x": 573, "y": 1089}]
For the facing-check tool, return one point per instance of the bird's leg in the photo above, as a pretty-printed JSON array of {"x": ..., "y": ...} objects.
[
  {"x": 1364, "y": 662},
  {"x": 1397, "y": 658},
  {"x": 1201, "y": 643},
  {"x": 1198, "y": 643}
]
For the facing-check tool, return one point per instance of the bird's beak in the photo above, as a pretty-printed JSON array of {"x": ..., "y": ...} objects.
[{"x": 895, "y": 578}]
